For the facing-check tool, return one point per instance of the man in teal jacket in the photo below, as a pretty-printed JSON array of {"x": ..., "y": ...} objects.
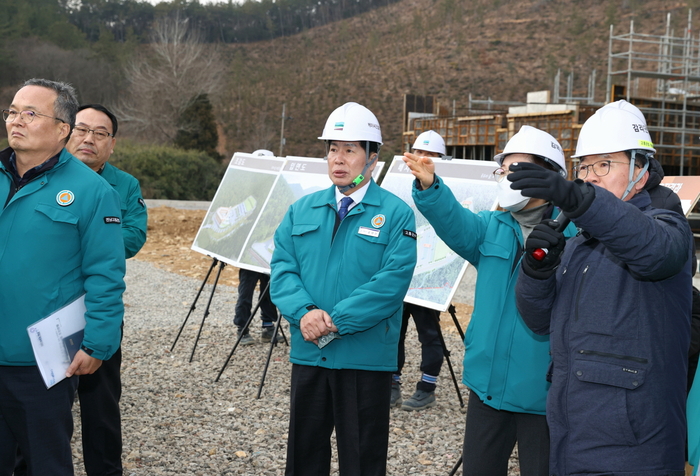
[
  {"x": 342, "y": 264},
  {"x": 505, "y": 363},
  {"x": 93, "y": 142},
  {"x": 60, "y": 238}
]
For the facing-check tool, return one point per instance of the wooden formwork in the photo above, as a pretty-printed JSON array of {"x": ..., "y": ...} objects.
[
  {"x": 459, "y": 133},
  {"x": 483, "y": 136},
  {"x": 674, "y": 127},
  {"x": 478, "y": 130}
]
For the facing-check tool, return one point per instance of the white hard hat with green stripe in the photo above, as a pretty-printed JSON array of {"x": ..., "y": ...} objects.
[{"x": 618, "y": 127}]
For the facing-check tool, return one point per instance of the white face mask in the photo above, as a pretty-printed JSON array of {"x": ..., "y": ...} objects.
[{"x": 511, "y": 200}]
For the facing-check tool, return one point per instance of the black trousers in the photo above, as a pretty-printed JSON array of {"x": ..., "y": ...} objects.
[
  {"x": 432, "y": 354},
  {"x": 247, "y": 281},
  {"x": 100, "y": 418},
  {"x": 356, "y": 404},
  {"x": 99, "y": 395},
  {"x": 490, "y": 436},
  {"x": 36, "y": 421}
]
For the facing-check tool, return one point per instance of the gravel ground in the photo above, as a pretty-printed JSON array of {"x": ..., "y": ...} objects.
[{"x": 178, "y": 421}]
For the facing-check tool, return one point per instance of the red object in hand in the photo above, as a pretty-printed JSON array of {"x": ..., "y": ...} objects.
[
  {"x": 563, "y": 222},
  {"x": 539, "y": 254}
]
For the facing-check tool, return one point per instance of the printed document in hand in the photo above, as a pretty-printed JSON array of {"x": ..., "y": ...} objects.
[{"x": 56, "y": 338}]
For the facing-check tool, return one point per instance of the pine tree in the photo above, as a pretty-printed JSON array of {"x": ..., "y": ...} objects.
[{"x": 197, "y": 127}]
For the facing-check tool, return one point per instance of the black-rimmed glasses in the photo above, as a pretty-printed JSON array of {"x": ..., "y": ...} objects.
[
  {"x": 600, "y": 168},
  {"x": 80, "y": 131}
]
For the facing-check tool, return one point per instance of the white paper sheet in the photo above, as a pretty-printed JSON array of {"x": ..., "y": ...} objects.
[{"x": 56, "y": 338}]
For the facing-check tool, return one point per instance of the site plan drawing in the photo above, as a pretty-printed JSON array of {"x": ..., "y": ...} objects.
[
  {"x": 236, "y": 206},
  {"x": 299, "y": 176},
  {"x": 439, "y": 269},
  {"x": 251, "y": 201}
]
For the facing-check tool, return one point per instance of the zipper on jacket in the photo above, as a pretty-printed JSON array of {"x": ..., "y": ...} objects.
[
  {"x": 614, "y": 356},
  {"x": 578, "y": 292},
  {"x": 10, "y": 193}
]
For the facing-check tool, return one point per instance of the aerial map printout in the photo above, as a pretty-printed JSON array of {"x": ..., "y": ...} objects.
[
  {"x": 251, "y": 201},
  {"x": 439, "y": 269},
  {"x": 236, "y": 206}
]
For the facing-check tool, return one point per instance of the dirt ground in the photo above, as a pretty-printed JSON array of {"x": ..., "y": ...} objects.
[{"x": 171, "y": 232}]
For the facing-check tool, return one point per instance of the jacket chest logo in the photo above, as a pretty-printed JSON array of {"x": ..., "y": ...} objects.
[
  {"x": 65, "y": 198},
  {"x": 378, "y": 221}
]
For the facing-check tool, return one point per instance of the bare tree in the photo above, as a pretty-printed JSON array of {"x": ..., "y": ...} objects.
[
  {"x": 264, "y": 134},
  {"x": 166, "y": 78}
]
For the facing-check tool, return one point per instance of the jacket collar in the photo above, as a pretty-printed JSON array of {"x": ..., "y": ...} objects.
[
  {"x": 8, "y": 163},
  {"x": 109, "y": 173},
  {"x": 372, "y": 197},
  {"x": 641, "y": 200},
  {"x": 6, "y": 153}
]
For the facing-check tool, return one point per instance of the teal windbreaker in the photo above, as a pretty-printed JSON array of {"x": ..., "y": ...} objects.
[
  {"x": 133, "y": 208},
  {"x": 359, "y": 277},
  {"x": 50, "y": 254},
  {"x": 505, "y": 363}
]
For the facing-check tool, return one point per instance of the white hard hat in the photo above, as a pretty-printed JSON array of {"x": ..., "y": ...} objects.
[
  {"x": 263, "y": 152},
  {"x": 352, "y": 122},
  {"x": 430, "y": 141},
  {"x": 626, "y": 106},
  {"x": 530, "y": 140},
  {"x": 615, "y": 127}
]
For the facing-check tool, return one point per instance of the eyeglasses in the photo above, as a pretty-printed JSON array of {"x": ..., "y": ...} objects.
[
  {"x": 10, "y": 115},
  {"x": 80, "y": 131},
  {"x": 500, "y": 174},
  {"x": 600, "y": 168}
]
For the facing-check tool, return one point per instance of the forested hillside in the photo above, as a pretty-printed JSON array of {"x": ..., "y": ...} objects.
[{"x": 152, "y": 63}]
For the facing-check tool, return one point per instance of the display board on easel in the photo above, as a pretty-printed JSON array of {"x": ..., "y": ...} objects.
[
  {"x": 251, "y": 201},
  {"x": 439, "y": 269},
  {"x": 237, "y": 204},
  {"x": 299, "y": 176}
]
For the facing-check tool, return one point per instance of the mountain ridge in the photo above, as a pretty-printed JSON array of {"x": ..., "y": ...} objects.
[{"x": 445, "y": 48}]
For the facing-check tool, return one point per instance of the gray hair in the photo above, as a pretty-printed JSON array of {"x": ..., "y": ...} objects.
[{"x": 66, "y": 104}]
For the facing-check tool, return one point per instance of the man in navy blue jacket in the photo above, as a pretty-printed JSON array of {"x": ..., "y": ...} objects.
[{"x": 616, "y": 304}]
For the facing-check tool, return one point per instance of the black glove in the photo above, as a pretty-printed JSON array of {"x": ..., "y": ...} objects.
[
  {"x": 543, "y": 237},
  {"x": 537, "y": 182}
]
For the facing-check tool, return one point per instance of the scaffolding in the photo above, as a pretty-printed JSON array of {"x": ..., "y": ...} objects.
[
  {"x": 490, "y": 103},
  {"x": 569, "y": 97},
  {"x": 660, "y": 74}
]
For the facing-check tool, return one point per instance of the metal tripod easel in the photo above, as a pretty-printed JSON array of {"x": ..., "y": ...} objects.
[
  {"x": 278, "y": 329},
  {"x": 453, "y": 312},
  {"x": 194, "y": 304},
  {"x": 446, "y": 352},
  {"x": 276, "y": 332}
]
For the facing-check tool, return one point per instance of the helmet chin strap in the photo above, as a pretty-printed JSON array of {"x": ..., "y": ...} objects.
[
  {"x": 633, "y": 181},
  {"x": 358, "y": 180}
]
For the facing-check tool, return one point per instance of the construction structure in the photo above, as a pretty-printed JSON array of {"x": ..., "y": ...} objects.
[
  {"x": 660, "y": 74},
  {"x": 482, "y": 135}
]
